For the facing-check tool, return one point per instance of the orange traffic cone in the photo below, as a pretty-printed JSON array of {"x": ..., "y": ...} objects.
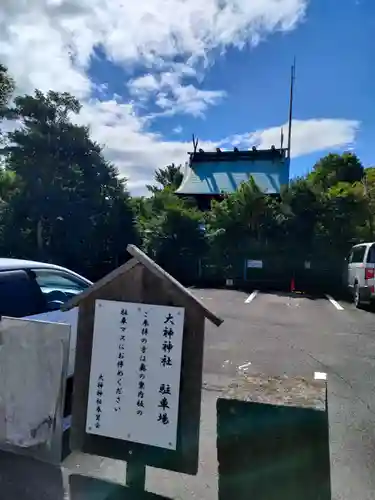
[{"x": 292, "y": 285}]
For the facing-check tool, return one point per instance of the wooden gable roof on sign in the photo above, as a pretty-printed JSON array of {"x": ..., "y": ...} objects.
[{"x": 141, "y": 280}]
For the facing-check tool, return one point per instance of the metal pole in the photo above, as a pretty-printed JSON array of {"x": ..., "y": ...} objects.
[{"x": 292, "y": 80}]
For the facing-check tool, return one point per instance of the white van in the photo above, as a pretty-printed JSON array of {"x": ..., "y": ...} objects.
[{"x": 361, "y": 273}]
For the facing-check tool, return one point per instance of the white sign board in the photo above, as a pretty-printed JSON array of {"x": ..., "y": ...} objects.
[
  {"x": 255, "y": 264},
  {"x": 66, "y": 318},
  {"x": 135, "y": 372},
  {"x": 33, "y": 365}
]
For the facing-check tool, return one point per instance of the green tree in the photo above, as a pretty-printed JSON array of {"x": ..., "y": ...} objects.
[
  {"x": 236, "y": 226},
  {"x": 60, "y": 200},
  {"x": 369, "y": 193},
  {"x": 335, "y": 168},
  {"x": 7, "y": 86},
  {"x": 8, "y": 185},
  {"x": 301, "y": 207},
  {"x": 169, "y": 177},
  {"x": 346, "y": 215},
  {"x": 71, "y": 207},
  {"x": 172, "y": 234}
]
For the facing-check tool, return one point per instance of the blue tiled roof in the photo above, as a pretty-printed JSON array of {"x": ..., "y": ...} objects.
[{"x": 226, "y": 176}]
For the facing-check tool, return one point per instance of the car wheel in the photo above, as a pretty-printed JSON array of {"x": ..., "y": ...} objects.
[{"x": 357, "y": 296}]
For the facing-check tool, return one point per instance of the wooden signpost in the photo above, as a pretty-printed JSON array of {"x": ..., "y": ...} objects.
[{"x": 138, "y": 370}]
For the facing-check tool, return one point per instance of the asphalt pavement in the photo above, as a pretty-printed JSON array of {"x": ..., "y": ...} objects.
[{"x": 275, "y": 334}]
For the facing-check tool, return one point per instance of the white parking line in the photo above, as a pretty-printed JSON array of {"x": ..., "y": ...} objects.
[
  {"x": 320, "y": 376},
  {"x": 245, "y": 366},
  {"x": 251, "y": 296},
  {"x": 335, "y": 303}
]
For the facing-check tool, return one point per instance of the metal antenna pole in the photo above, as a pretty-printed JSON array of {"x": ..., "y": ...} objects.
[{"x": 292, "y": 81}]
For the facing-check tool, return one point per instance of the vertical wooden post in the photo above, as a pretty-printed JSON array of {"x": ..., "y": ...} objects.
[{"x": 136, "y": 475}]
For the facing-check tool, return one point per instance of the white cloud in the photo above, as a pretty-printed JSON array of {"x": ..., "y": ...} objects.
[
  {"x": 168, "y": 92},
  {"x": 308, "y": 136},
  {"x": 48, "y": 44},
  {"x": 138, "y": 152},
  {"x": 140, "y": 87},
  {"x": 187, "y": 100},
  {"x": 134, "y": 150}
]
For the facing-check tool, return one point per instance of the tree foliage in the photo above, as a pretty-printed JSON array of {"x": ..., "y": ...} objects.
[
  {"x": 171, "y": 232},
  {"x": 169, "y": 177},
  {"x": 317, "y": 217},
  {"x": 62, "y": 201},
  {"x": 74, "y": 208},
  {"x": 7, "y": 86},
  {"x": 335, "y": 168}
]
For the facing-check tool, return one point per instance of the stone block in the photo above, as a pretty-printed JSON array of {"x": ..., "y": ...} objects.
[{"x": 273, "y": 440}]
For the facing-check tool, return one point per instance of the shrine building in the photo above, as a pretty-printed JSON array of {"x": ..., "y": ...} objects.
[{"x": 210, "y": 175}]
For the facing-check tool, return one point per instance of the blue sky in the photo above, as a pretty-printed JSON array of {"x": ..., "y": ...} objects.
[{"x": 149, "y": 75}]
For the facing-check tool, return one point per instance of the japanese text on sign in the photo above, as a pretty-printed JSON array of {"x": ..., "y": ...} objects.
[{"x": 136, "y": 358}]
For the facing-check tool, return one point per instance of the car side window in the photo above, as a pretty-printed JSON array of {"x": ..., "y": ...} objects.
[
  {"x": 58, "y": 286},
  {"x": 371, "y": 255},
  {"x": 358, "y": 254},
  {"x": 19, "y": 295}
]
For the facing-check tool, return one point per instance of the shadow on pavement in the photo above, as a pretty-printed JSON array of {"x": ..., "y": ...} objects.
[{"x": 28, "y": 479}]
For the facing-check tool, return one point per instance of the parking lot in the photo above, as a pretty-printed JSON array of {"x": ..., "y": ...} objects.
[{"x": 277, "y": 333}]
